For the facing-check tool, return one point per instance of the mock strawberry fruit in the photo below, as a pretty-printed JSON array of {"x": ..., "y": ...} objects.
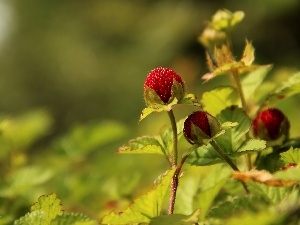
[
  {"x": 271, "y": 125},
  {"x": 200, "y": 125},
  {"x": 162, "y": 85}
]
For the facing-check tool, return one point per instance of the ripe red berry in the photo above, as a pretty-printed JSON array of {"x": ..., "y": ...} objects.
[
  {"x": 206, "y": 123},
  {"x": 271, "y": 124},
  {"x": 161, "y": 81}
]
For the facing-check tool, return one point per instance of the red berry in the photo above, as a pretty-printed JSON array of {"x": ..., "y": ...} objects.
[
  {"x": 161, "y": 81},
  {"x": 270, "y": 125},
  {"x": 205, "y": 122}
]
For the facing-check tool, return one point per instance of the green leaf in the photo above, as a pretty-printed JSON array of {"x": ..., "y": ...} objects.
[
  {"x": 86, "y": 138},
  {"x": 36, "y": 218},
  {"x": 253, "y": 80},
  {"x": 210, "y": 187},
  {"x": 176, "y": 219},
  {"x": 263, "y": 217},
  {"x": 203, "y": 156},
  {"x": 291, "y": 174},
  {"x": 271, "y": 194},
  {"x": 42, "y": 212},
  {"x": 286, "y": 90},
  {"x": 216, "y": 100},
  {"x": 291, "y": 156},
  {"x": 143, "y": 145},
  {"x": 231, "y": 141},
  {"x": 248, "y": 54},
  {"x": 144, "y": 207},
  {"x": 73, "y": 219},
  {"x": 235, "y": 206},
  {"x": 251, "y": 145},
  {"x": 49, "y": 204}
]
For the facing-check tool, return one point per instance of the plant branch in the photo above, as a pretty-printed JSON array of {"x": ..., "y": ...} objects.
[
  {"x": 228, "y": 160},
  {"x": 174, "y": 185}
]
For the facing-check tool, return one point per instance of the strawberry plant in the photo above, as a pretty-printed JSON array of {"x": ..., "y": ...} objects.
[{"x": 231, "y": 160}]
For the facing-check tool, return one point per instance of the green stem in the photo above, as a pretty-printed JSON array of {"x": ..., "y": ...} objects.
[
  {"x": 237, "y": 80},
  {"x": 228, "y": 160},
  {"x": 174, "y": 153}
]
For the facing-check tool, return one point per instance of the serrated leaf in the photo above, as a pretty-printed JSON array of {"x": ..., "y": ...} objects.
[
  {"x": 291, "y": 156},
  {"x": 271, "y": 194},
  {"x": 144, "y": 207},
  {"x": 50, "y": 205},
  {"x": 203, "y": 156},
  {"x": 73, "y": 219},
  {"x": 253, "y": 80},
  {"x": 286, "y": 90},
  {"x": 36, "y": 217},
  {"x": 216, "y": 100},
  {"x": 209, "y": 189},
  {"x": 252, "y": 145},
  {"x": 143, "y": 145},
  {"x": 233, "y": 138},
  {"x": 176, "y": 219},
  {"x": 235, "y": 206}
]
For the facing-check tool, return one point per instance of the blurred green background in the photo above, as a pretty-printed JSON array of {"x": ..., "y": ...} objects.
[{"x": 84, "y": 63}]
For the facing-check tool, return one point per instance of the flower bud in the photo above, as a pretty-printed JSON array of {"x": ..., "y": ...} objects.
[
  {"x": 199, "y": 126},
  {"x": 271, "y": 125}
]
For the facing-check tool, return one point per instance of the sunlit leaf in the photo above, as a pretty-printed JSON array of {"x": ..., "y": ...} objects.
[
  {"x": 73, "y": 219},
  {"x": 286, "y": 90},
  {"x": 251, "y": 145},
  {"x": 177, "y": 219},
  {"x": 144, "y": 207},
  {"x": 216, "y": 100},
  {"x": 50, "y": 205},
  {"x": 36, "y": 217},
  {"x": 291, "y": 156},
  {"x": 253, "y": 80},
  {"x": 143, "y": 145},
  {"x": 290, "y": 174}
]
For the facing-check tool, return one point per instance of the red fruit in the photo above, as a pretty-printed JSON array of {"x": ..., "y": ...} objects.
[
  {"x": 161, "y": 81},
  {"x": 208, "y": 125},
  {"x": 270, "y": 125}
]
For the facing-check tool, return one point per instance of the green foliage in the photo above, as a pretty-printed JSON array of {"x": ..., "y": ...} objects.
[{"x": 202, "y": 183}]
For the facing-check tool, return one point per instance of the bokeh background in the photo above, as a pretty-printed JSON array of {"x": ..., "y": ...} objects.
[{"x": 84, "y": 63}]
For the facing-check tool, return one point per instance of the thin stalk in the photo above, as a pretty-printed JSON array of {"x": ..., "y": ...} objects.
[
  {"x": 237, "y": 80},
  {"x": 229, "y": 162},
  {"x": 174, "y": 153},
  {"x": 173, "y": 161},
  {"x": 174, "y": 185}
]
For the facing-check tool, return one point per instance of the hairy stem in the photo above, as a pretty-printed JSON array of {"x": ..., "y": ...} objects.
[
  {"x": 228, "y": 160},
  {"x": 174, "y": 185}
]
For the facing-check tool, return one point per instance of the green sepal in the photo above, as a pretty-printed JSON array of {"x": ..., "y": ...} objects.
[{"x": 143, "y": 145}]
